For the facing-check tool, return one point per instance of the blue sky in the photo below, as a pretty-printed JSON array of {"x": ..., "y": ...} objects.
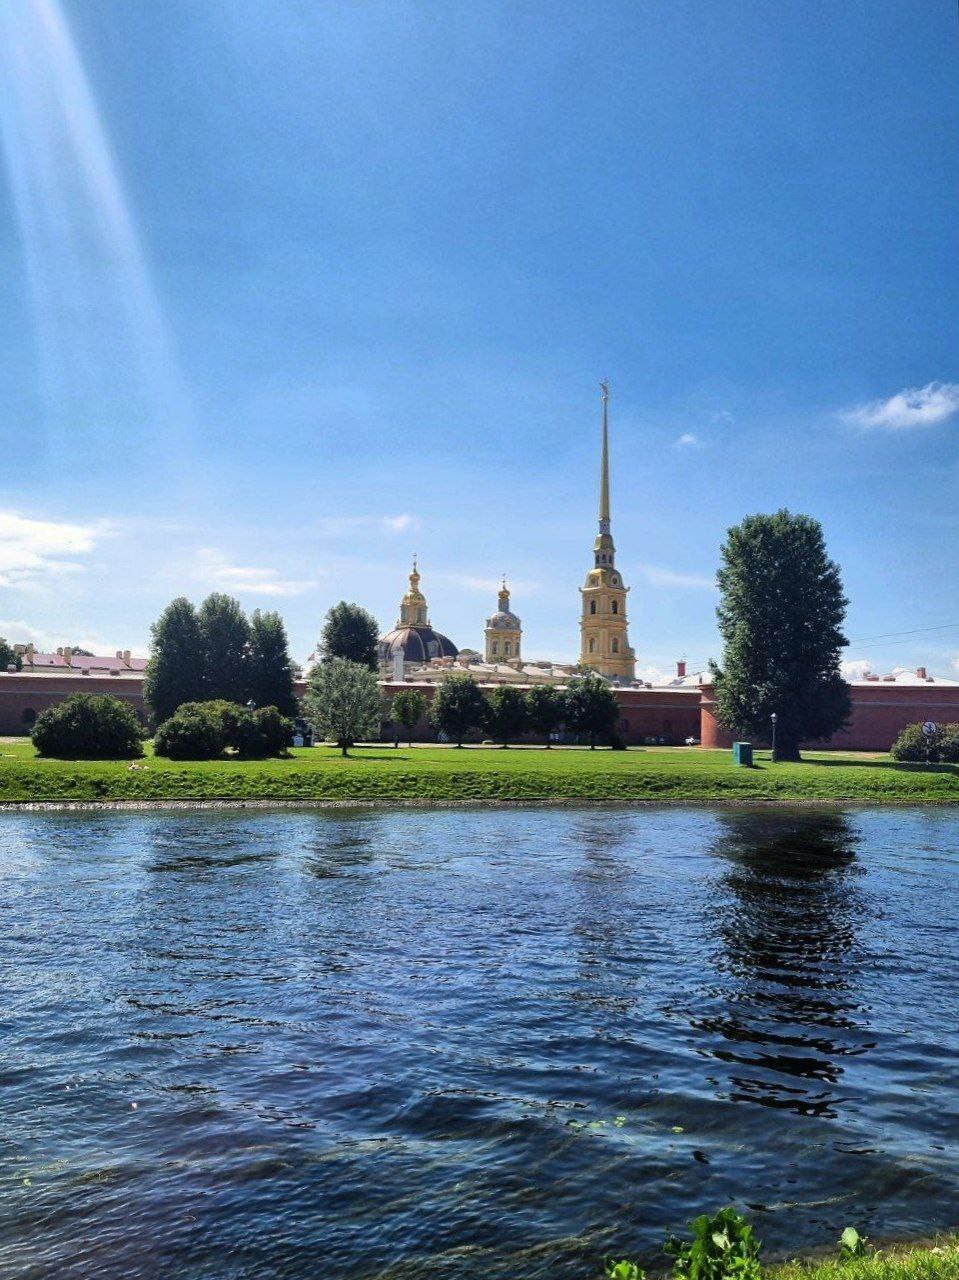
[{"x": 292, "y": 290}]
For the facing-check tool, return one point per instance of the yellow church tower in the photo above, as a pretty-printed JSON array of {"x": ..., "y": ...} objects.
[{"x": 604, "y": 640}]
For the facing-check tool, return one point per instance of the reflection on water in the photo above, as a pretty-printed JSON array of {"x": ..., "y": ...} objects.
[
  {"x": 501, "y": 1043},
  {"x": 786, "y": 914}
]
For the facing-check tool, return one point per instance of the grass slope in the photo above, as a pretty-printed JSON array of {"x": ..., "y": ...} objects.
[
  {"x": 442, "y": 773},
  {"x": 907, "y": 1262}
]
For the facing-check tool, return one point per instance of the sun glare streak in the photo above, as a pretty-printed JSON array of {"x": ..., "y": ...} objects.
[{"x": 105, "y": 353}]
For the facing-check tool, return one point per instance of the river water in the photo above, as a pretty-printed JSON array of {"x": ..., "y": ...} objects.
[{"x": 490, "y": 1043}]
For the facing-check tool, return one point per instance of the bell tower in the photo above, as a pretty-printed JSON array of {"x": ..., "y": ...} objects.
[{"x": 604, "y": 639}]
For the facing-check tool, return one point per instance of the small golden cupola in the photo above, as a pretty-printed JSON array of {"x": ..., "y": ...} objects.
[
  {"x": 504, "y": 632},
  {"x": 604, "y": 638},
  {"x": 413, "y": 611}
]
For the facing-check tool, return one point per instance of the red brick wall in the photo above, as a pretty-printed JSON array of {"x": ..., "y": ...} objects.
[
  {"x": 879, "y": 712},
  {"x": 25, "y": 692}
]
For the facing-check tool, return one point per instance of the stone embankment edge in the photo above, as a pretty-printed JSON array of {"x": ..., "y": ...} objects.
[{"x": 585, "y": 802}]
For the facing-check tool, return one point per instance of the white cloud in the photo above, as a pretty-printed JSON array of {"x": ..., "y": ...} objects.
[
  {"x": 342, "y": 526},
  {"x": 688, "y": 441},
  {"x": 31, "y": 550},
  {"x": 855, "y": 668},
  {"x": 914, "y": 407},
  {"x": 17, "y": 631},
  {"x": 659, "y": 577},
  {"x": 214, "y": 569},
  {"x": 487, "y": 586}
]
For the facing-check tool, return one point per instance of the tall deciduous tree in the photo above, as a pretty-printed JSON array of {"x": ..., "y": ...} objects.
[
  {"x": 781, "y": 618},
  {"x": 350, "y": 632},
  {"x": 8, "y": 658},
  {"x": 408, "y": 707},
  {"x": 458, "y": 707},
  {"x": 270, "y": 669},
  {"x": 505, "y": 714},
  {"x": 225, "y": 642},
  {"x": 591, "y": 708},
  {"x": 175, "y": 671},
  {"x": 342, "y": 702},
  {"x": 545, "y": 709}
]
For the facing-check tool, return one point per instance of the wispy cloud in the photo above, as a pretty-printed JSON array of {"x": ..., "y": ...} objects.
[
  {"x": 914, "y": 407},
  {"x": 31, "y": 550},
  {"x": 659, "y": 577},
  {"x": 18, "y": 631},
  {"x": 342, "y": 526},
  {"x": 487, "y": 586},
  {"x": 213, "y": 568},
  {"x": 687, "y": 441}
]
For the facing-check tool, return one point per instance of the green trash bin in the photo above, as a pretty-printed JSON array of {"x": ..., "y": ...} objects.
[{"x": 743, "y": 753}]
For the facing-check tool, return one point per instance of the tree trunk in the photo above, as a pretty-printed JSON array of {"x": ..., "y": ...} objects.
[{"x": 343, "y": 747}]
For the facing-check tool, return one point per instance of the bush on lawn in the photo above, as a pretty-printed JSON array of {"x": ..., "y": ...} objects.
[
  {"x": 195, "y": 731},
  {"x": 261, "y": 733},
  {"x": 203, "y": 731},
  {"x": 89, "y": 726},
  {"x": 941, "y": 747}
]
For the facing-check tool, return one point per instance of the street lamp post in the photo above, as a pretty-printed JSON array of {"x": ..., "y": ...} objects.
[{"x": 773, "y": 719}]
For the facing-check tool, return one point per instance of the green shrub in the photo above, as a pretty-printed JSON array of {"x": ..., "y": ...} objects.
[
  {"x": 203, "y": 731},
  {"x": 261, "y": 733},
  {"x": 623, "y": 1270},
  {"x": 941, "y": 747},
  {"x": 723, "y": 1247},
  {"x": 852, "y": 1244},
  {"x": 89, "y": 726},
  {"x": 195, "y": 731}
]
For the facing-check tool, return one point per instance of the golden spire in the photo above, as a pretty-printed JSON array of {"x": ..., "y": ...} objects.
[{"x": 604, "y": 472}]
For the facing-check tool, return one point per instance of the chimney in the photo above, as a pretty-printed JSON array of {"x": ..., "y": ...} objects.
[
  {"x": 119, "y": 653},
  {"x": 60, "y": 651},
  {"x": 67, "y": 654},
  {"x": 921, "y": 673},
  {"x": 126, "y": 656},
  {"x": 681, "y": 669}
]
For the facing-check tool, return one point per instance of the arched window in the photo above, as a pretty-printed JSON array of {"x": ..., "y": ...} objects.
[
  {"x": 495, "y": 648},
  {"x": 592, "y": 645},
  {"x": 29, "y": 716},
  {"x": 615, "y": 645},
  {"x": 592, "y": 606},
  {"x": 506, "y": 648},
  {"x": 615, "y": 606}
]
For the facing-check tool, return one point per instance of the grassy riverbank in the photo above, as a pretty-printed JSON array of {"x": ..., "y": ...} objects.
[
  {"x": 939, "y": 1261},
  {"x": 380, "y": 773}
]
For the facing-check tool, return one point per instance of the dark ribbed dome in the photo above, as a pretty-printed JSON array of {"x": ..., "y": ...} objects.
[{"x": 417, "y": 644}]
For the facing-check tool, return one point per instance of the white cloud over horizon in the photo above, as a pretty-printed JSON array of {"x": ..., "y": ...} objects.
[
  {"x": 687, "y": 441},
  {"x": 341, "y": 526},
  {"x": 213, "y": 568},
  {"x": 31, "y": 549},
  {"x": 912, "y": 407}
]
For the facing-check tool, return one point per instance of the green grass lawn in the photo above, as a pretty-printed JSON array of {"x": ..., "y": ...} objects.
[
  {"x": 939, "y": 1261},
  {"x": 475, "y": 773}
]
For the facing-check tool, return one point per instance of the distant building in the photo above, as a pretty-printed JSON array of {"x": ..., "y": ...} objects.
[
  {"x": 504, "y": 632},
  {"x": 413, "y": 638}
]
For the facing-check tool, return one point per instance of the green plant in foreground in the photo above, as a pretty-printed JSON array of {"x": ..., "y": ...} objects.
[
  {"x": 723, "y": 1247},
  {"x": 852, "y": 1244},
  {"x": 623, "y": 1270}
]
